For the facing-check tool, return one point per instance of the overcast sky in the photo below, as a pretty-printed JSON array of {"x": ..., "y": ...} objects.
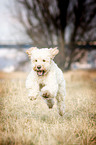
[{"x": 11, "y": 31}]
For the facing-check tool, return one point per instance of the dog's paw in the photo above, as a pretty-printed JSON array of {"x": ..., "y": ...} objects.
[
  {"x": 50, "y": 103},
  {"x": 32, "y": 98},
  {"x": 45, "y": 93}
]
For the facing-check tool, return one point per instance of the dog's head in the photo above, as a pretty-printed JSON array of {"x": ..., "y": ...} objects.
[{"x": 41, "y": 59}]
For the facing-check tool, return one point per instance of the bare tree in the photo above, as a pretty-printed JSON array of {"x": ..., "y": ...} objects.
[{"x": 59, "y": 23}]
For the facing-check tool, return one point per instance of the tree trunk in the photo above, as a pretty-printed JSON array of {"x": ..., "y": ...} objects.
[{"x": 60, "y": 58}]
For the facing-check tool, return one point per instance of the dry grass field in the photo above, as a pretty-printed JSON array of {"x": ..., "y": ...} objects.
[{"x": 23, "y": 122}]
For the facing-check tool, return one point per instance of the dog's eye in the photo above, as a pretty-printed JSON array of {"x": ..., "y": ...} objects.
[
  {"x": 35, "y": 60},
  {"x": 44, "y": 60}
]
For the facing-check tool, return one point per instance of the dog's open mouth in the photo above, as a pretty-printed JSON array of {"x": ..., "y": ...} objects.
[{"x": 40, "y": 72}]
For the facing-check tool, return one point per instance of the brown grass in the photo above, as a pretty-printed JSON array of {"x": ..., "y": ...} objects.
[{"x": 23, "y": 122}]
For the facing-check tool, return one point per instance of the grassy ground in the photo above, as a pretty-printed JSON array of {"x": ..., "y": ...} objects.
[{"x": 23, "y": 122}]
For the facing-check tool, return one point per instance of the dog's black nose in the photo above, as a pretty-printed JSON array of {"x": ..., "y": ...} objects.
[{"x": 39, "y": 66}]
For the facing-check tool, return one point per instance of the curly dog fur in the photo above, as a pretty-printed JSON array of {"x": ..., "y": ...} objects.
[{"x": 46, "y": 79}]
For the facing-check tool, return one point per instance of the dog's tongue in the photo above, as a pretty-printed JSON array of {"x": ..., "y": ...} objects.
[{"x": 40, "y": 73}]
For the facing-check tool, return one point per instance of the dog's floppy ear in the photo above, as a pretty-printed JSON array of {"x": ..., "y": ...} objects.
[
  {"x": 29, "y": 51},
  {"x": 54, "y": 51}
]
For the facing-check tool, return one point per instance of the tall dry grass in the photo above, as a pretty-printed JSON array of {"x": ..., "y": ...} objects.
[{"x": 23, "y": 122}]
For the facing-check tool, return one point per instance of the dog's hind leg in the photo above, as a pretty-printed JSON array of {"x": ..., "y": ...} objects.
[
  {"x": 61, "y": 99},
  {"x": 50, "y": 103}
]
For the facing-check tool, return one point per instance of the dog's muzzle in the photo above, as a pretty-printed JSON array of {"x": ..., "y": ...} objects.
[{"x": 40, "y": 72}]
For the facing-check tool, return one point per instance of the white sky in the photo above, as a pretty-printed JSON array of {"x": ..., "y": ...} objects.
[{"x": 11, "y": 31}]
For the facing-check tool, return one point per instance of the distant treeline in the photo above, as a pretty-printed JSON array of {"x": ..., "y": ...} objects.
[{"x": 18, "y": 46}]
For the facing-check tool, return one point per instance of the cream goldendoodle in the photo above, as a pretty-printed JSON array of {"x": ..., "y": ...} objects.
[{"x": 45, "y": 78}]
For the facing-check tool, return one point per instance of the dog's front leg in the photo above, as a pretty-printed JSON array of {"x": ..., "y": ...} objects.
[
  {"x": 48, "y": 93},
  {"x": 33, "y": 93},
  {"x": 50, "y": 89},
  {"x": 32, "y": 87}
]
